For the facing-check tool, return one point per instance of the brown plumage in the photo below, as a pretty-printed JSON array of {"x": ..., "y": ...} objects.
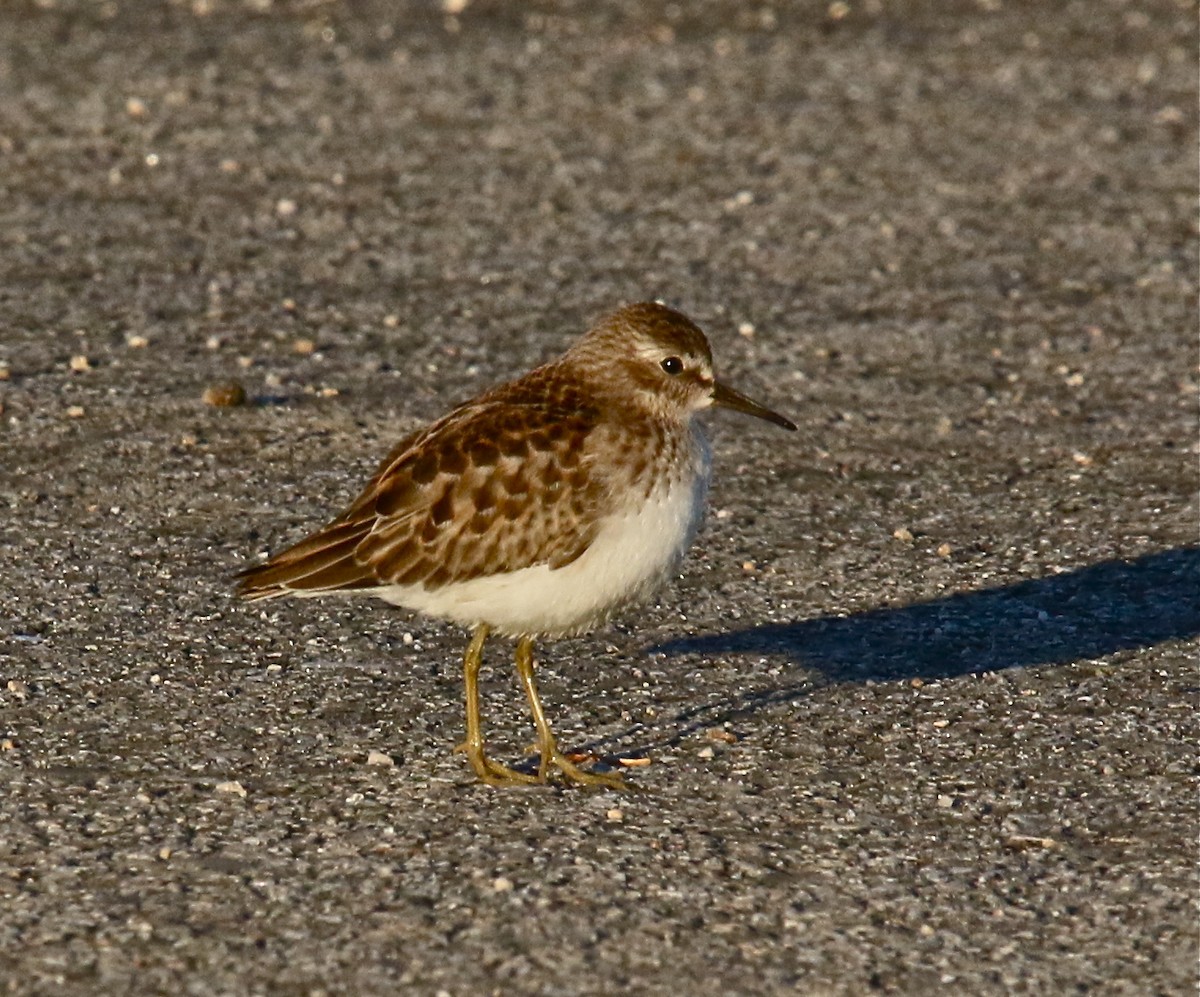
[
  {"x": 536, "y": 509},
  {"x": 451, "y": 503}
]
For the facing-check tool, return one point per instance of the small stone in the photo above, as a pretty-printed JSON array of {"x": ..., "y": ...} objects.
[
  {"x": 75, "y": 412},
  {"x": 720, "y": 734},
  {"x": 749, "y": 566},
  {"x": 164, "y": 853},
  {"x": 616, "y": 815},
  {"x": 903, "y": 533},
  {"x": 234, "y": 788},
  {"x": 8, "y": 745},
  {"x": 1082, "y": 459},
  {"x": 1023, "y": 841},
  {"x": 502, "y": 884},
  {"x": 80, "y": 363},
  {"x": 746, "y": 329},
  {"x": 634, "y": 763},
  {"x": 305, "y": 347},
  {"x": 379, "y": 758},
  {"x": 135, "y": 107},
  {"x": 5, "y": 373},
  {"x": 944, "y": 550},
  {"x": 706, "y": 752},
  {"x": 137, "y": 342},
  {"x": 944, "y": 801},
  {"x": 838, "y": 10},
  {"x": 285, "y": 207},
  {"x": 225, "y": 395}
]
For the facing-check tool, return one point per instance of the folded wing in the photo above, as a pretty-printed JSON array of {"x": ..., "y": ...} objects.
[{"x": 495, "y": 486}]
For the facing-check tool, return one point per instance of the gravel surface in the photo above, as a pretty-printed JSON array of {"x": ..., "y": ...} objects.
[{"x": 921, "y": 707}]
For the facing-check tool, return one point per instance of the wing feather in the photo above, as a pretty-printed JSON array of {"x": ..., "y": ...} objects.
[{"x": 503, "y": 483}]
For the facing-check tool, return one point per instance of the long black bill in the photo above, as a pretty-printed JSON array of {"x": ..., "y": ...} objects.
[{"x": 728, "y": 398}]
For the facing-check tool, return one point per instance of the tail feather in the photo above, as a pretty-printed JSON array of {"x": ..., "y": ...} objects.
[{"x": 324, "y": 562}]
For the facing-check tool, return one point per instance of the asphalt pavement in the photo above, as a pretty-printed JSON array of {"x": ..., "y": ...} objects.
[{"x": 919, "y": 713}]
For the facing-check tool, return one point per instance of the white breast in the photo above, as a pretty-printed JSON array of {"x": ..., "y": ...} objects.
[{"x": 636, "y": 549}]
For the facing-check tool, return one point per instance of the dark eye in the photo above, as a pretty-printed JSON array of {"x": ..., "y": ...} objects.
[{"x": 672, "y": 365}]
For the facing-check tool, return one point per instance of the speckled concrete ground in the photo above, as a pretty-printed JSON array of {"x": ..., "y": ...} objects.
[{"x": 921, "y": 708}]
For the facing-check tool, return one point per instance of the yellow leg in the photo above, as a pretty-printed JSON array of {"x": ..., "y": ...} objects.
[
  {"x": 547, "y": 746},
  {"x": 493, "y": 773}
]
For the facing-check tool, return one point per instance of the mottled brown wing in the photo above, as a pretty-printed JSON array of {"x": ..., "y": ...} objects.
[
  {"x": 495, "y": 486},
  {"x": 507, "y": 487}
]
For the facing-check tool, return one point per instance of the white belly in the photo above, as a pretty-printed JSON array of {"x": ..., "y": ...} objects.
[{"x": 635, "y": 551}]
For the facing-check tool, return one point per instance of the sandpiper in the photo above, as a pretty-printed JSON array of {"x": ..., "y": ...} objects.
[{"x": 537, "y": 509}]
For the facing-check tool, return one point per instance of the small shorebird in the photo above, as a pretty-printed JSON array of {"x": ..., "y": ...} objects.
[{"x": 536, "y": 510}]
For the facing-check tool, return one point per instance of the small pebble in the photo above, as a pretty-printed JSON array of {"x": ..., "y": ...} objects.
[
  {"x": 137, "y": 342},
  {"x": 379, "y": 758},
  {"x": 225, "y": 395},
  {"x": 135, "y": 107},
  {"x": 634, "y": 763},
  {"x": 903, "y": 533},
  {"x": 944, "y": 550},
  {"x": 706, "y": 752},
  {"x": 80, "y": 363},
  {"x": 720, "y": 734},
  {"x": 75, "y": 412},
  {"x": 615, "y": 815},
  {"x": 502, "y": 884},
  {"x": 305, "y": 347},
  {"x": 1022, "y": 841},
  {"x": 234, "y": 787}
]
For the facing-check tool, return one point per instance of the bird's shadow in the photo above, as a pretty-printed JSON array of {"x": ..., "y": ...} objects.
[{"x": 1088, "y": 612}]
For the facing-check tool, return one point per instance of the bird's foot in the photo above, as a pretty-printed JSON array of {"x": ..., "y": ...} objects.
[
  {"x": 573, "y": 773},
  {"x": 493, "y": 773}
]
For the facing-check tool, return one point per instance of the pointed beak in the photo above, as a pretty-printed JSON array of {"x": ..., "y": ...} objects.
[{"x": 728, "y": 398}]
